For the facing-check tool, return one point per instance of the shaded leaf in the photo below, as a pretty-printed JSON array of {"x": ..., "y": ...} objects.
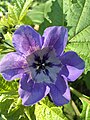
[
  {"x": 39, "y": 12},
  {"x": 87, "y": 80},
  {"x": 69, "y": 112},
  {"x": 56, "y": 15}
]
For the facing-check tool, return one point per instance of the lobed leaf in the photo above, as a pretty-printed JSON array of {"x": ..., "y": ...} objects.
[
  {"x": 39, "y": 12},
  {"x": 55, "y": 15},
  {"x": 47, "y": 110},
  {"x": 78, "y": 22}
]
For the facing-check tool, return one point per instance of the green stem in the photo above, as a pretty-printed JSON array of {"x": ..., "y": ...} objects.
[
  {"x": 81, "y": 96},
  {"x": 75, "y": 108},
  {"x": 19, "y": 101},
  {"x": 8, "y": 44}
]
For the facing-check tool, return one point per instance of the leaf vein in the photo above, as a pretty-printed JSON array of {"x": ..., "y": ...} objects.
[
  {"x": 80, "y": 15},
  {"x": 79, "y": 32}
]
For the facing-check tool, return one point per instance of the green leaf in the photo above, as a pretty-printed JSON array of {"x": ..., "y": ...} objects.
[
  {"x": 10, "y": 104},
  {"x": 29, "y": 111},
  {"x": 8, "y": 87},
  {"x": 6, "y": 45},
  {"x": 12, "y": 15},
  {"x": 8, "y": 39},
  {"x": 4, "y": 21},
  {"x": 19, "y": 10},
  {"x": 4, "y": 106},
  {"x": 47, "y": 110},
  {"x": 10, "y": 111},
  {"x": 86, "y": 78},
  {"x": 56, "y": 15},
  {"x": 66, "y": 5},
  {"x": 26, "y": 5},
  {"x": 78, "y": 22},
  {"x": 26, "y": 20},
  {"x": 16, "y": 13},
  {"x": 68, "y": 111},
  {"x": 85, "y": 114},
  {"x": 39, "y": 12}
]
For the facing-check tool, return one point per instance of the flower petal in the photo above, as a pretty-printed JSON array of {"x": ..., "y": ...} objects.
[
  {"x": 31, "y": 92},
  {"x": 26, "y": 83},
  {"x": 26, "y": 39},
  {"x": 11, "y": 66},
  {"x": 60, "y": 92},
  {"x": 73, "y": 65},
  {"x": 56, "y": 37}
]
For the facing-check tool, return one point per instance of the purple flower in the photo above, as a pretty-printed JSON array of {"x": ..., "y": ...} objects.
[{"x": 42, "y": 65}]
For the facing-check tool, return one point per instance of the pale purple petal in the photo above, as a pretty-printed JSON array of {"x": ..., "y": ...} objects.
[
  {"x": 56, "y": 37},
  {"x": 31, "y": 92},
  {"x": 26, "y": 39},
  {"x": 73, "y": 65},
  {"x": 67, "y": 94},
  {"x": 12, "y": 66},
  {"x": 60, "y": 92}
]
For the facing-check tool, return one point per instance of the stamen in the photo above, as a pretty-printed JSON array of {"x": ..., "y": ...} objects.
[
  {"x": 37, "y": 58},
  {"x": 45, "y": 57}
]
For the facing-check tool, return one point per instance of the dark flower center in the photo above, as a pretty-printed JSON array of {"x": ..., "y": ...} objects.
[
  {"x": 41, "y": 64},
  {"x": 44, "y": 65}
]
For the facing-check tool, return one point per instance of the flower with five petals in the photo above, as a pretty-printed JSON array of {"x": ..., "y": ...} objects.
[{"x": 42, "y": 65}]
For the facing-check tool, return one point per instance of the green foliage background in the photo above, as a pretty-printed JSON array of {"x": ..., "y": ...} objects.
[{"x": 73, "y": 14}]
